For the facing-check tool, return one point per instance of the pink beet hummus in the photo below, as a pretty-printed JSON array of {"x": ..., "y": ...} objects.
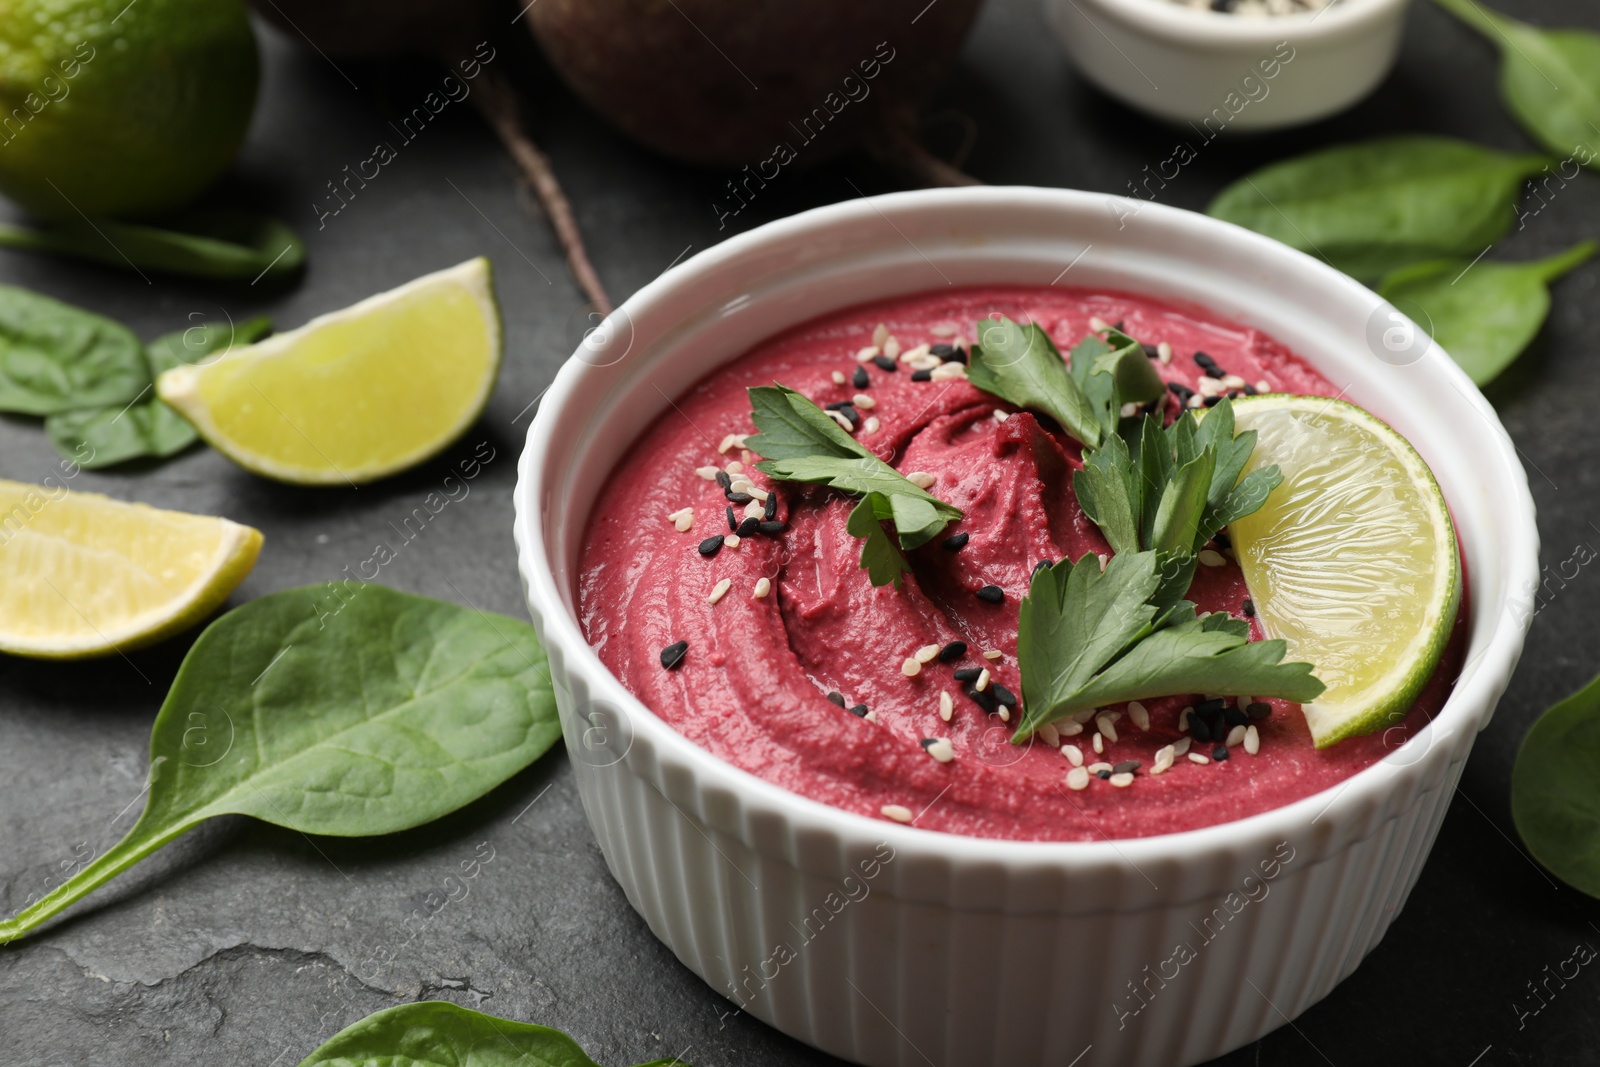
[{"x": 753, "y": 685}]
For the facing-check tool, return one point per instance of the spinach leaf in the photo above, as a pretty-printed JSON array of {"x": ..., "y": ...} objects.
[
  {"x": 1550, "y": 79},
  {"x": 209, "y": 244},
  {"x": 1376, "y": 206},
  {"x": 55, "y": 357},
  {"x": 1555, "y": 790},
  {"x": 345, "y": 709},
  {"x": 1483, "y": 314},
  {"x": 101, "y": 437},
  {"x": 436, "y": 1033}
]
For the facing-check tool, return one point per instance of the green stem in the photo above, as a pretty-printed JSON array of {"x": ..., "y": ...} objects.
[
  {"x": 1486, "y": 22},
  {"x": 1562, "y": 262},
  {"x": 138, "y": 844}
]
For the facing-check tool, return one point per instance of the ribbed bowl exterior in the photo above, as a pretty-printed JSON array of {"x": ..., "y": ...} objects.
[{"x": 895, "y": 947}]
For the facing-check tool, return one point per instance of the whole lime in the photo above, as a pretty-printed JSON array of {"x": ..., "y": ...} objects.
[{"x": 121, "y": 109}]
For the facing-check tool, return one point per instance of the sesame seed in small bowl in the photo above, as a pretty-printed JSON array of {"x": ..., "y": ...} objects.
[{"x": 1232, "y": 64}]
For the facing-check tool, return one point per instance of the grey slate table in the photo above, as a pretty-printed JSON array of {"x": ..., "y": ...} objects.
[{"x": 244, "y": 944}]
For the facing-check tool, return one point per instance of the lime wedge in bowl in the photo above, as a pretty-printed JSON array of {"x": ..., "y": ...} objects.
[{"x": 1353, "y": 559}]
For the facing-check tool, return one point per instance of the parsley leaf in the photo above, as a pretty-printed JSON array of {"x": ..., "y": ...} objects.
[
  {"x": 800, "y": 443},
  {"x": 1088, "y": 638}
]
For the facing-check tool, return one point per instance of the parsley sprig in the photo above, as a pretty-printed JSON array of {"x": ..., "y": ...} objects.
[
  {"x": 800, "y": 443},
  {"x": 1090, "y": 638}
]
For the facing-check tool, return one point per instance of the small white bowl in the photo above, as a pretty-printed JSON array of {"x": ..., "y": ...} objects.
[
  {"x": 1231, "y": 72},
  {"x": 962, "y": 951}
]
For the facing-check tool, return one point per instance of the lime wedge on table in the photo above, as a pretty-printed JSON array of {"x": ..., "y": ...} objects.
[
  {"x": 1352, "y": 559},
  {"x": 357, "y": 394},
  {"x": 84, "y": 575}
]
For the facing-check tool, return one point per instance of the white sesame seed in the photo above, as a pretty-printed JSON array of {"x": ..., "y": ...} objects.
[
  {"x": 1077, "y": 779},
  {"x": 1122, "y": 780},
  {"x": 944, "y": 329},
  {"x": 945, "y": 372},
  {"x": 1183, "y": 720},
  {"x": 863, "y": 401},
  {"x": 1235, "y": 737},
  {"x": 1263, "y": 386},
  {"x": 867, "y": 354},
  {"x": 1099, "y": 325},
  {"x": 947, "y": 707},
  {"x": 1070, "y": 728},
  {"x": 922, "y": 362},
  {"x": 1210, "y": 558},
  {"x": 741, "y": 484},
  {"x": 911, "y": 668},
  {"x": 1099, "y": 745},
  {"x": 1233, "y": 381},
  {"x": 1005, "y": 713},
  {"x": 1195, "y": 757},
  {"x": 1083, "y": 716},
  {"x": 754, "y": 510},
  {"x": 983, "y": 680},
  {"x": 872, "y": 424},
  {"x": 916, "y": 352},
  {"x": 1181, "y": 745},
  {"x": 684, "y": 523},
  {"x": 763, "y": 587},
  {"x": 744, "y": 453},
  {"x": 732, "y": 540},
  {"x": 719, "y": 590},
  {"x": 708, "y": 473},
  {"x": 759, "y": 493},
  {"x": 1140, "y": 716},
  {"x": 838, "y": 377},
  {"x": 681, "y": 513},
  {"x": 880, "y": 334},
  {"x": 1164, "y": 352},
  {"x": 1104, "y": 724},
  {"x": 1074, "y": 754},
  {"x": 1098, "y": 766},
  {"x": 1208, "y": 386},
  {"x": 1252, "y": 739},
  {"x": 1104, "y": 559},
  {"x": 941, "y": 750},
  {"x": 727, "y": 443},
  {"x": 844, "y": 423},
  {"x": 922, "y": 479},
  {"x": 897, "y": 812},
  {"x": 1165, "y": 757},
  {"x": 891, "y": 347},
  {"x": 1195, "y": 402},
  {"x": 1130, "y": 409},
  {"x": 927, "y": 653},
  {"x": 871, "y": 717},
  {"x": 1001, "y": 416},
  {"x": 1048, "y": 734},
  {"x": 735, "y": 467}
]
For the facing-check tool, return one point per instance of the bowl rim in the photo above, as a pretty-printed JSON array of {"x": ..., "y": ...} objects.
[
  {"x": 1467, "y": 709},
  {"x": 1201, "y": 30}
]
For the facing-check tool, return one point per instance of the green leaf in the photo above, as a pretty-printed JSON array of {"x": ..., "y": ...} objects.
[
  {"x": 436, "y": 1033},
  {"x": 1484, "y": 314},
  {"x": 1375, "y": 206},
  {"x": 1550, "y": 79},
  {"x": 800, "y": 443},
  {"x": 345, "y": 709},
  {"x": 1108, "y": 491},
  {"x": 881, "y": 558},
  {"x": 55, "y": 357},
  {"x": 1020, "y": 364},
  {"x": 210, "y": 244},
  {"x": 1088, "y": 638},
  {"x": 101, "y": 437},
  {"x": 1181, "y": 506},
  {"x": 1555, "y": 790}
]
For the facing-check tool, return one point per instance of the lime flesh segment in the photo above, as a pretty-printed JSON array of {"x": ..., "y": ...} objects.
[
  {"x": 1352, "y": 560},
  {"x": 357, "y": 394},
  {"x": 83, "y": 575}
]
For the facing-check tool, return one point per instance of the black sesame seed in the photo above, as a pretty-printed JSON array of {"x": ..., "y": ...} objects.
[
  {"x": 992, "y": 593},
  {"x": 927, "y": 742},
  {"x": 1249, "y": 608},
  {"x": 1249, "y": 390},
  {"x": 1209, "y": 707},
  {"x": 1222, "y": 540},
  {"x": 673, "y": 654},
  {"x": 1152, "y": 351},
  {"x": 739, "y": 498},
  {"x": 749, "y": 526},
  {"x": 733, "y": 522},
  {"x": 1102, "y": 775},
  {"x": 922, "y": 375},
  {"x": 711, "y": 545},
  {"x": 849, "y": 411},
  {"x": 984, "y": 699},
  {"x": 1235, "y": 717},
  {"x": 725, "y": 480},
  {"x": 941, "y": 350},
  {"x": 1213, "y": 401},
  {"x": 959, "y": 355},
  {"x": 956, "y": 542},
  {"x": 1215, "y": 371},
  {"x": 1197, "y": 729},
  {"x": 1257, "y": 710},
  {"x": 770, "y": 528},
  {"x": 859, "y": 711},
  {"x": 1004, "y": 695},
  {"x": 836, "y": 405},
  {"x": 968, "y": 674},
  {"x": 771, "y": 511},
  {"x": 1181, "y": 391},
  {"x": 1041, "y": 565},
  {"x": 837, "y": 698},
  {"x": 885, "y": 363},
  {"x": 859, "y": 379},
  {"x": 1219, "y": 753},
  {"x": 953, "y": 651},
  {"x": 1204, "y": 360},
  {"x": 1127, "y": 766}
]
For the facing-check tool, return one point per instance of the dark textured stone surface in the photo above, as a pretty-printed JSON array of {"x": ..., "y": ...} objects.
[{"x": 245, "y": 944}]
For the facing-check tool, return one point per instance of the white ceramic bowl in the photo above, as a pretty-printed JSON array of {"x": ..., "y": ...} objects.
[
  {"x": 1230, "y": 72},
  {"x": 962, "y": 951}
]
